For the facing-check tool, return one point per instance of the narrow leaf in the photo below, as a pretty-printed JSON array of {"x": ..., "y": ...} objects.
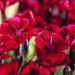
[
  {"x": 11, "y": 10},
  {"x": 31, "y": 50},
  {"x": 59, "y": 70}
]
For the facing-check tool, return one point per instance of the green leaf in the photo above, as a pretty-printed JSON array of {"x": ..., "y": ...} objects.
[
  {"x": 11, "y": 10},
  {"x": 31, "y": 50},
  {"x": 67, "y": 51},
  {"x": 73, "y": 72},
  {"x": 59, "y": 70},
  {"x": 7, "y": 60},
  {"x": 11, "y": 53}
]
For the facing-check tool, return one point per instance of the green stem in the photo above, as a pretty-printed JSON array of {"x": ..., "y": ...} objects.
[
  {"x": 0, "y": 17},
  {"x": 22, "y": 65},
  {"x": 21, "y": 51}
]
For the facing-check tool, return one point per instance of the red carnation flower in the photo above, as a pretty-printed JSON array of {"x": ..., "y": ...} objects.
[
  {"x": 29, "y": 15},
  {"x": 71, "y": 29},
  {"x": 7, "y": 43},
  {"x": 34, "y": 69},
  {"x": 50, "y": 47},
  {"x": 4, "y": 56},
  {"x": 18, "y": 28},
  {"x": 8, "y": 68}
]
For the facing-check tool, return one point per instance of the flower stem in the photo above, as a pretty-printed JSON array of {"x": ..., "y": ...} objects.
[
  {"x": 21, "y": 51},
  {"x": 22, "y": 65},
  {"x": 0, "y": 17}
]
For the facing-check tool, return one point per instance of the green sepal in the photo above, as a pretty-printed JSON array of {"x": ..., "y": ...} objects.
[
  {"x": 73, "y": 73},
  {"x": 11, "y": 10},
  {"x": 7, "y": 60},
  {"x": 59, "y": 70},
  {"x": 31, "y": 50},
  {"x": 11, "y": 53}
]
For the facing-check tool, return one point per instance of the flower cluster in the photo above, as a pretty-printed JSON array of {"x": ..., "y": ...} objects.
[{"x": 37, "y": 37}]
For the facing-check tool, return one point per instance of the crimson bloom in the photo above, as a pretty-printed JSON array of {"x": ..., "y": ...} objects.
[
  {"x": 34, "y": 69},
  {"x": 50, "y": 48},
  {"x": 21, "y": 25},
  {"x": 8, "y": 68},
  {"x": 71, "y": 29},
  {"x": 52, "y": 39},
  {"x": 7, "y": 43},
  {"x": 18, "y": 28},
  {"x": 8, "y": 2},
  {"x": 29, "y": 15}
]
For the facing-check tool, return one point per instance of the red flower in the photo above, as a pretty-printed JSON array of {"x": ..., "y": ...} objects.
[
  {"x": 51, "y": 47},
  {"x": 18, "y": 28},
  {"x": 40, "y": 23},
  {"x": 4, "y": 56},
  {"x": 4, "y": 29},
  {"x": 1, "y": 5},
  {"x": 71, "y": 29},
  {"x": 72, "y": 3},
  {"x": 60, "y": 43},
  {"x": 57, "y": 20},
  {"x": 53, "y": 28},
  {"x": 8, "y": 68},
  {"x": 6, "y": 3},
  {"x": 33, "y": 69},
  {"x": 63, "y": 31},
  {"x": 7, "y": 43},
  {"x": 29, "y": 15},
  {"x": 32, "y": 32}
]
